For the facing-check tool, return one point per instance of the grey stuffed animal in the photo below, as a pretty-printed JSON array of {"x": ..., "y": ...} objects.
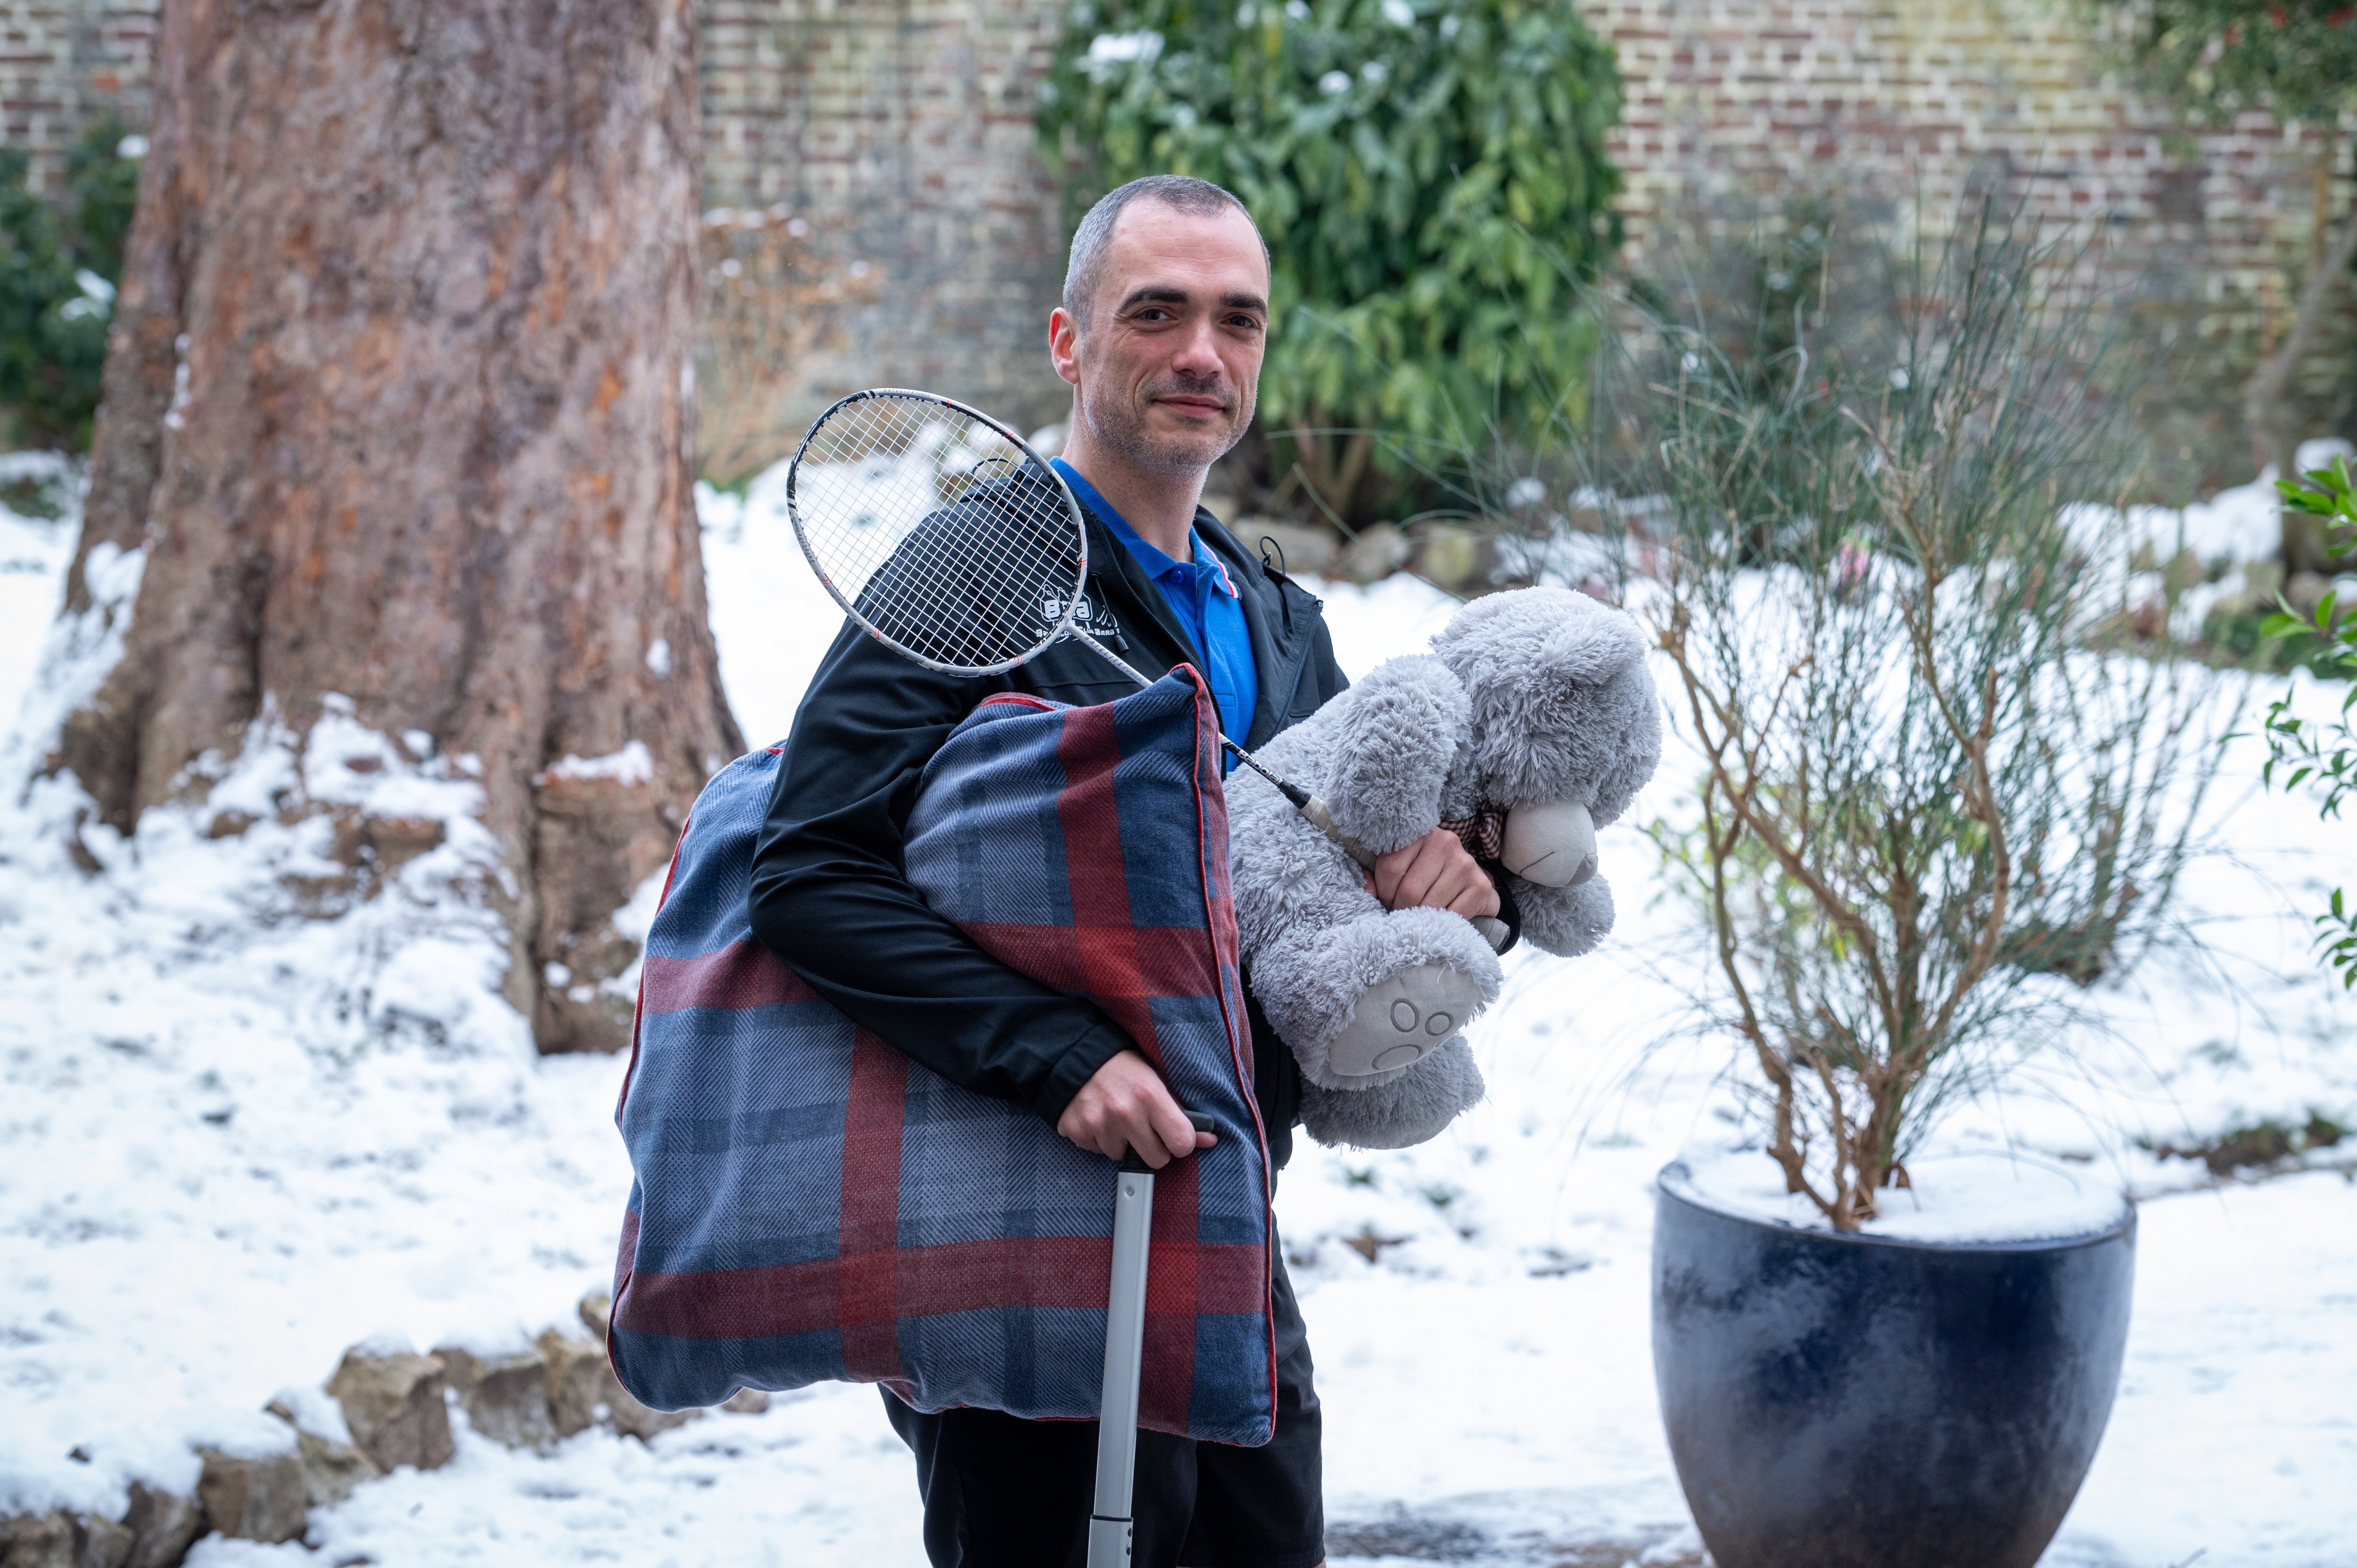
[{"x": 1530, "y": 723}]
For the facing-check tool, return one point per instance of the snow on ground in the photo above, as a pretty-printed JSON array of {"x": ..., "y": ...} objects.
[{"x": 237, "y": 1138}]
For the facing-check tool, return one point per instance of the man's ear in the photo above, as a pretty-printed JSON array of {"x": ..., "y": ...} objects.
[{"x": 1064, "y": 344}]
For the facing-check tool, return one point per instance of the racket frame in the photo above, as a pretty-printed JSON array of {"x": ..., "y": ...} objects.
[{"x": 1064, "y": 625}]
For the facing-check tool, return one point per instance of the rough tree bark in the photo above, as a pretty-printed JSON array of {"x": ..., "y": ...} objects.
[{"x": 399, "y": 406}]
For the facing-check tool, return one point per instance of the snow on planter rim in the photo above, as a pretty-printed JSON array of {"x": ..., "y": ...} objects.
[{"x": 1985, "y": 1198}]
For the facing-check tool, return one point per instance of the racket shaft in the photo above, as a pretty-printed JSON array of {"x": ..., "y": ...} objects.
[
  {"x": 1308, "y": 805},
  {"x": 1118, "y": 662}
]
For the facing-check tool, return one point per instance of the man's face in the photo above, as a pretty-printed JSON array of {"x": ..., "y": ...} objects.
[{"x": 1169, "y": 361}]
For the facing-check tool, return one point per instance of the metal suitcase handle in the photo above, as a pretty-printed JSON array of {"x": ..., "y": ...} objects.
[{"x": 1111, "y": 1521}]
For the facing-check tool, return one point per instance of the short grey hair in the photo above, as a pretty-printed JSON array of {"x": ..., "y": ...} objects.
[{"x": 1182, "y": 192}]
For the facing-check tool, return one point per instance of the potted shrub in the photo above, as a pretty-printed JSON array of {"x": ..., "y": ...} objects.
[{"x": 1944, "y": 785}]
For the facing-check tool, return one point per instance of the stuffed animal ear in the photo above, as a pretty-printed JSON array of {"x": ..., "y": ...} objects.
[
  {"x": 1563, "y": 704},
  {"x": 1389, "y": 741}
]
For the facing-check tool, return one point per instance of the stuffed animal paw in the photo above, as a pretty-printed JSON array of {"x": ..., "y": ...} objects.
[{"x": 1533, "y": 723}]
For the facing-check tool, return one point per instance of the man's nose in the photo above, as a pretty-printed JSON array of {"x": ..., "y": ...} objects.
[{"x": 1197, "y": 354}]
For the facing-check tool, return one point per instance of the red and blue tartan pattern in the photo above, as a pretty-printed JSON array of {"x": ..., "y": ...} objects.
[{"x": 811, "y": 1206}]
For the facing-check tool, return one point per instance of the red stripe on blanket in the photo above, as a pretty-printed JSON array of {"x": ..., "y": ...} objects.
[
  {"x": 1174, "y": 1289},
  {"x": 1125, "y": 968},
  {"x": 742, "y": 974},
  {"x": 964, "y": 1276},
  {"x": 866, "y": 1287},
  {"x": 1095, "y": 879}
]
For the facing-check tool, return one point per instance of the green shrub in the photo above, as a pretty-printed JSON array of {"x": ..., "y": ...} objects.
[
  {"x": 1431, "y": 178},
  {"x": 60, "y": 263}
]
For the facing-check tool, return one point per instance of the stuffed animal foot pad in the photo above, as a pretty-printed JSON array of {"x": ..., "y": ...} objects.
[
  {"x": 1404, "y": 1019},
  {"x": 1347, "y": 998},
  {"x": 1443, "y": 1086}
]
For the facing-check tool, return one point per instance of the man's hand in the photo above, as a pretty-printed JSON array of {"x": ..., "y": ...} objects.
[
  {"x": 1436, "y": 871},
  {"x": 1126, "y": 1105}
]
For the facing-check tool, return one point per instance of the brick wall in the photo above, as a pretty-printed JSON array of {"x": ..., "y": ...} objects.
[
  {"x": 903, "y": 129},
  {"x": 1734, "y": 105},
  {"x": 900, "y": 132},
  {"x": 63, "y": 62},
  {"x": 896, "y": 135}
]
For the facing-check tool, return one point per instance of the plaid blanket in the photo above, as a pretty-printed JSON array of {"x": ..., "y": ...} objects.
[{"x": 810, "y": 1205}]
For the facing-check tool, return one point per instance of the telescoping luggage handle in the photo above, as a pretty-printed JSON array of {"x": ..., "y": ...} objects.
[{"x": 1110, "y": 1520}]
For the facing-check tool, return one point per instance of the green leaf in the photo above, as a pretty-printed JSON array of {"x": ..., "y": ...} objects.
[{"x": 1426, "y": 222}]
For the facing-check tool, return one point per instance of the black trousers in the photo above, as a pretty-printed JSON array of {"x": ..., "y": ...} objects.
[{"x": 1004, "y": 1493}]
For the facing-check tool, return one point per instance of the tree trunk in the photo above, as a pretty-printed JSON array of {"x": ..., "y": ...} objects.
[{"x": 399, "y": 405}]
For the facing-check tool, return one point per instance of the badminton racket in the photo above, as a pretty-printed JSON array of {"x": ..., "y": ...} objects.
[{"x": 947, "y": 539}]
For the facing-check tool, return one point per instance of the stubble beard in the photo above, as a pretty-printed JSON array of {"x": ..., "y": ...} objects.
[{"x": 1121, "y": 425}]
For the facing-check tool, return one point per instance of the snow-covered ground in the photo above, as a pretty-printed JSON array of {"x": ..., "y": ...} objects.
[{"x": 237, "y": 1138}]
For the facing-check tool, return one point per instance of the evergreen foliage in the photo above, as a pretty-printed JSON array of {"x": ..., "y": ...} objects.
[
  {"x": 2320, "y": 755},
  {"x": 60, "y": 263},
  {"x": 1430, "y": 176},
  {"x": 2212, "y": 59}
]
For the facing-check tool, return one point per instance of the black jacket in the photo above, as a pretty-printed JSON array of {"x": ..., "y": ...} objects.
[{"x": 830, "y": 896}]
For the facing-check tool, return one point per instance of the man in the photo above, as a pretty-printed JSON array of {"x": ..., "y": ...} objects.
[{"x": 1160, "y": 333}]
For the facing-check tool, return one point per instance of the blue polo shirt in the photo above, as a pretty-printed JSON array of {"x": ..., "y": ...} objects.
[{"x": 1205, "y": 599}]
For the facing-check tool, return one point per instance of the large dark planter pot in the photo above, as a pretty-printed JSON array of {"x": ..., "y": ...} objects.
[{"x": 1852, "y": 1401}]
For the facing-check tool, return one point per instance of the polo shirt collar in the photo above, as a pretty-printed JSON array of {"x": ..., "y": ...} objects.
[{"x": 1158, "y": 564}]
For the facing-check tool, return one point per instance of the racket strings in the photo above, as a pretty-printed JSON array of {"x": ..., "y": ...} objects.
[{"x": 938, "y": 531}]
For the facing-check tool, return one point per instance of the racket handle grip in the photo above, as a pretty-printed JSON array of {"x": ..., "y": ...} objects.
[{"x": 1314, "y": 809}]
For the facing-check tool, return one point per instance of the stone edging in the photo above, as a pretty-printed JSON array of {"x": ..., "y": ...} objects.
[{"x": 395, "y": 1406}]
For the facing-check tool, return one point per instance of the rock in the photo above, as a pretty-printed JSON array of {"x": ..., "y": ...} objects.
[
  {"x": 505, "y": 1396},
  {"x": 101, "y": 1542},
  {"x": 1379, "y": 550},
  {"x": 579, "y": 1381},
  {"x": 61, "y": 1539},
  {"x": 1300, "y": 552},
  {"x": 250, "y": 1499},
  {"x": 155, "y": 1533},
  {"x": 624, "y": 1412},
  {"x": 332, "y": 1469},
  {"x": 2307, "y": 590},
  {"x": 638, "y": 1420},
  {"x": 163, "y": 1526},
  {"x": 746, "y": 1401},
  {"x": 37, "y": 1541},
  {"x": 1456, "y": 559},
  {"x": 393, "y": 1404},
  {"x": 582, "y": 1391},
  {"x": 2262, "y": 581}
]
